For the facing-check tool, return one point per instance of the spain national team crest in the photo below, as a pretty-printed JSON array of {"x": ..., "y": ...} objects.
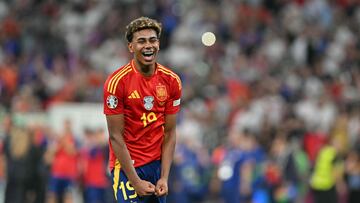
[
  {"x": 161, "y": 93},
  {"x": 148, "y": 102}
]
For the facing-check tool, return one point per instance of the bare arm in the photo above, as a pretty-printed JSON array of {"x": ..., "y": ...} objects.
[
  {"x": 116, "y": 129},
  {"x": 168, "y": 148}
]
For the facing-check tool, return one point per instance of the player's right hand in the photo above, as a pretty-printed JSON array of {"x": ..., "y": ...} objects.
[{"x": 144, "y": 188}]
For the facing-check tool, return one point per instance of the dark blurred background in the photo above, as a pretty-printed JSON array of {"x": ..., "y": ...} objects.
[{"x": 280, "y": 85}]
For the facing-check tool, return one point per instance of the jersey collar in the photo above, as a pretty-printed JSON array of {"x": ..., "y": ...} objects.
[{"x": 133, "y": 66}]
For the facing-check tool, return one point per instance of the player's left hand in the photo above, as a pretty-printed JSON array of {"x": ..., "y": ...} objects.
[{"x": 161, "y": 187}]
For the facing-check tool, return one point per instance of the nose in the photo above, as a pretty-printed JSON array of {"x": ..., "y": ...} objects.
[{"x": 148, "y": 44}]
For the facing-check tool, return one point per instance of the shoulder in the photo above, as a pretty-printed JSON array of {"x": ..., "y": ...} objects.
[
  {"x": 166, "y": 70},
  {"x": 169, "y": 73},
  {"x": 114, "y": 78}
]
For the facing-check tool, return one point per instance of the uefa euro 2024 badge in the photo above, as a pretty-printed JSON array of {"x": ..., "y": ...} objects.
[
  {"x": 112, "y": 101},
  {"x": 148, "y": 102}
]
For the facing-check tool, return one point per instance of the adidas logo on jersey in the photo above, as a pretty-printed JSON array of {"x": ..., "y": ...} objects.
[{"x": 134, "y": 95}]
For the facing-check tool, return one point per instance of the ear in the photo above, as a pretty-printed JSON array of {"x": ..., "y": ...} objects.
[{"x": 130, "y": 47}]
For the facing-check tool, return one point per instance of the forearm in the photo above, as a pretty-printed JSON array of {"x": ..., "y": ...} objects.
[
  {"x": 168, "y": 149},
  {"x": 123, "y": 156}
]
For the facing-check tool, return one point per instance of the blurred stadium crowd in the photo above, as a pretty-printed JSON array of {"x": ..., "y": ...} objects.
[{"x": 279, "y": 87}]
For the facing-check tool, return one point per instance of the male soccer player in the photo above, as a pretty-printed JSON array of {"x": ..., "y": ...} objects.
[{"x": 141, "y": 100}]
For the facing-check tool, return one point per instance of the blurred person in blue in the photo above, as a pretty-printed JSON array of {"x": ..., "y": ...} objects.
[
  {"x": 228, "y": 168},
  {"x": 285, "y": 171},
  {"x": 352, "y": 175},
  {"x": 190, "y": 173},
  {"x": 240, "y": 170}
]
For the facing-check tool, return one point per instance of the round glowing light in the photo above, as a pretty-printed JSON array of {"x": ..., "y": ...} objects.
[
  {"x": 208, "y": 39},
  {"x": 225, "y": 172}
]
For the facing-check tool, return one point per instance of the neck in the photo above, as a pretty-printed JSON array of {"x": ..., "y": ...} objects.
[{"x": 145, "y": 70}]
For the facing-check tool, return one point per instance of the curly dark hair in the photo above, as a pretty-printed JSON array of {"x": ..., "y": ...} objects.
[{"x": 141, "y": 24}]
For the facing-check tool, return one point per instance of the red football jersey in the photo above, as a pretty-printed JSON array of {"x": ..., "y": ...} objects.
[
  {"x": 144, "y": 101},
  {"x": 94, "y": 170},
  {"x": 65, "y": 164}
]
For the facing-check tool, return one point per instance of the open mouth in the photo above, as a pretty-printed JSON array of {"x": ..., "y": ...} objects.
[{"x": 148, "y": 55}]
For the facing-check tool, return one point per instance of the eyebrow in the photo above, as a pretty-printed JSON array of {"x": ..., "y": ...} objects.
[{"x": 143, "y": 37}]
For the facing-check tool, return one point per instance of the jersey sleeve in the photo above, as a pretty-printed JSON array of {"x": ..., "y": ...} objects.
[
  {"x": 113, "y": 98},
  {"x": 173, "y": 105}
]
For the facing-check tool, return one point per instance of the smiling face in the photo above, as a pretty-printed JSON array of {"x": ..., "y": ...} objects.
[{"x": 144, "y": 46}]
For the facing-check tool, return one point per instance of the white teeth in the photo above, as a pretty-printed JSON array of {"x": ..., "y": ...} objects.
[{"x": 148, "y": 53}]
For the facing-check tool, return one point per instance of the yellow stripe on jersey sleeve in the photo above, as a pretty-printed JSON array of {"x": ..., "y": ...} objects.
[
  {"x": 111, "y": 82},
  {"x": 168, "y": 72},
  {"x": 118, "y": 79},
  {"x": 116, "y": 178}
]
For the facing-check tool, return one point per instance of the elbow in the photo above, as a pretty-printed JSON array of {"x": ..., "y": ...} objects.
[
  {"x": 171, "y": 138},
  {"x": 111, "y": 136},
  {"x": 115, "y": 137}
]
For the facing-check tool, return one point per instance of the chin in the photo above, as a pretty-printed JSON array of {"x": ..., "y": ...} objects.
[{"x": 148, "y": 62}]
